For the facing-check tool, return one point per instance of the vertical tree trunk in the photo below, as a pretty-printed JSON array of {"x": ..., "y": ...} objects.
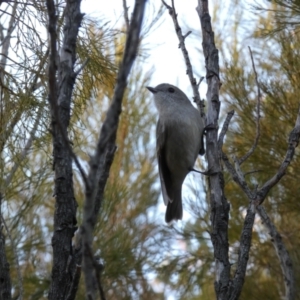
[
  {"x": 218, "y": 201},
  {"x": 60, "y": 94}
]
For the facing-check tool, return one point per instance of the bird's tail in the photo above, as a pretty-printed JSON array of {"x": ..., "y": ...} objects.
[{"x": 174, "y": 208}]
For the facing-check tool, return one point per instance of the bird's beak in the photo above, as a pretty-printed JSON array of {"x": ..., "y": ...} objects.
[{"x": 151, "y": 89}]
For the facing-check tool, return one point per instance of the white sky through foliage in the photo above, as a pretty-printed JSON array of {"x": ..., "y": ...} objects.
[{"x": 163, "y": 54}]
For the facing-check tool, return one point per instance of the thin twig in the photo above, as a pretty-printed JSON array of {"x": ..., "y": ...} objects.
[
  {"x": 126, "y": 17},
  {"x": 258, "y": 104},
  {"x": 252, "y": 172},
  {"x": 236, "y": 176},
  {"x": 81, "y": 67},
  {"x": 26, "y": 149},
  {"x": 189, "y": 71},
  {"x": 200, "y": 80},
  {"x": 294, "y": 138},
  {"x": 236, "y": 173},
  {"x": 224, "y": 129}
]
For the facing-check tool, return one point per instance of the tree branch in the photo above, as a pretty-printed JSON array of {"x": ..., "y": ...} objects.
[
  {"x": 224, "y": 130},
  {"x": 60, "y": 94},
  {"x": 256, "y": 198},
  {"x": 243, "y": 256},
  {"x": 103, "y": 157},
  {"x": 219, "y": 205},
  {"x": 257, "y": 136},
  {"x": 246, "y": 236},
  {"x": 282, "y": 253},
  {"x": 189, "y": 70},
  {"x": 126, "y": 18},
  {"x": 294, "y": 138}
]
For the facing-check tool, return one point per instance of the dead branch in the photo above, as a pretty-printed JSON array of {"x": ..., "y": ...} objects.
[
  {"x": 256, "y": 197},
  {"x": 189, "y": 70},
  {"x": 126, "y": 18},
  {"x": 100, "y": 163},
  {"x": 218, "y": 202},
  {"x": 292, "y": 144},
  {"x": 282, "y": 253},
  {"x": 224, "y": 129}
]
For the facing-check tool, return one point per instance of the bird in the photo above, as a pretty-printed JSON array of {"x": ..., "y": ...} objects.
[{"x": 179, "y": 140}]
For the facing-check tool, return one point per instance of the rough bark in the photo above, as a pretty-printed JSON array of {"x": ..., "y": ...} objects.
[
  {"x": 218, "y": 202},
  {"x": 282, "y": 253},
  {"x": 60, "y": 94}
]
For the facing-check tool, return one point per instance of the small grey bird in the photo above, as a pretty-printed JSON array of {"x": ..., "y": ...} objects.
[{"x": 179, "y": 140}]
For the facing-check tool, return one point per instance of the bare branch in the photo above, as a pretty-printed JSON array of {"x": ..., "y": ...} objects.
[
  {"x": 252, "y": 172},
  {"x": 75, "y": 283},
  {"x": 224, "y": 129},
  {"x": 189, "y": 71},
  {"x": 243, "y": 256},
  {"x": 7, "y": 39},
  {"x": 246, "y": 236},
  {"x": 218, "y": 202},
  {"x": 185, "y": 36},
  {"x": 60, "y": 96},
  {"x": 53, "y": 88},
  {"x": 257, "y": 136},
  {"x": 126, "y": 18},
  {"x": 257, "y": 197},
  {"x": 200, "y": 80},
  {"x": 293, "y": 143},
  {"x": 237, "y": 176},
  {"x": 282, "y": 253},
  {"x": 106, "y": 147},
  {"x": 81, "y": 67}
]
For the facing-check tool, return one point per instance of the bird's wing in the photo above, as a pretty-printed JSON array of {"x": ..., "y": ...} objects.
[{"x": 164, "y": 171}]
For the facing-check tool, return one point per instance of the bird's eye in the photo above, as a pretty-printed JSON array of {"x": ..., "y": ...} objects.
[{"x": 171, "y": 90}]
